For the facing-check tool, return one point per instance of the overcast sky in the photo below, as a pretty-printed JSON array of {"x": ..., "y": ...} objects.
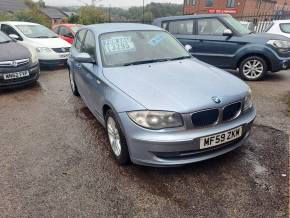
[{"x": 113, "y": 3}]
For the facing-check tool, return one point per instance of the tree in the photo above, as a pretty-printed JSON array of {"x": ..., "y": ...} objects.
[
  {"x": 32, "y": 15},
  {"x": 91, "y": 15}
]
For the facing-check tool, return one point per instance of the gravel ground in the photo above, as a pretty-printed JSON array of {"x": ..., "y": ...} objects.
[{"x": 55, "y": 161}]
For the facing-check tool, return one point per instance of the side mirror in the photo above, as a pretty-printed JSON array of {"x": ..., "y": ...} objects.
[
  {"x": 14, "y": 36},
  {"x": 227, "y": 32},
  {"x": 188, "y": 47},
  {"x": 84, "y": 58}
]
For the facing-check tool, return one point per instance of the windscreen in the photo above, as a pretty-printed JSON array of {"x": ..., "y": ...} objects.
[
  {"x": 36, "y": 31},
  {"x": 123, "y": 48}
]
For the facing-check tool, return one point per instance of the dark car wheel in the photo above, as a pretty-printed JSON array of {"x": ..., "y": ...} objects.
[
  {"x": 253, "y": 68},
  {"x": 117, "y": 139},
  {"x": 73, "y": 85}
]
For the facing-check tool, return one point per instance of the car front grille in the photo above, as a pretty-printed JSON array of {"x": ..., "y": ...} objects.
[
  {"x": 61, "y": 50},
  {"x": 214, "y": 116},
  {"x": 14, "y": 63},
  {"x": 205, "y": 118},
  {"x": 232, "y": 111}
]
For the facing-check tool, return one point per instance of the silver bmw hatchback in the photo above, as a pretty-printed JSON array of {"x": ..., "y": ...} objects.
[{"x": 159, "y": 105}]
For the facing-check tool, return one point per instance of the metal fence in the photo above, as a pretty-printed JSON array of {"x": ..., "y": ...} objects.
[{"x": 262, "y": 21}]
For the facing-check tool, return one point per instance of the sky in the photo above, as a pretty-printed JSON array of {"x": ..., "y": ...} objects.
[{"x": 113, "y": 3}]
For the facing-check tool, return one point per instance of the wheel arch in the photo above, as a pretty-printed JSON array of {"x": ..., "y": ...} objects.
[{"x": 267, "y": 60}]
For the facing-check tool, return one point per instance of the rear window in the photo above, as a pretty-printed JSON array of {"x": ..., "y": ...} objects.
[
  {"x": 183, "y": 27},
  {"x": 285, "y": 27}
]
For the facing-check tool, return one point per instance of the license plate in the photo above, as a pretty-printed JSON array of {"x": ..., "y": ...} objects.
[
  {"x": 16, "y": 75},
  {"x": 64, "y": 55},
  {"x": 221, "y": 138}
]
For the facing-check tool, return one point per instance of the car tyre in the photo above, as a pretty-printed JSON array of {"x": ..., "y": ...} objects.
[
  {"x": 253, "y": 68},
  {"x": 117, "y": 139},
  {"x": 73, "y": 85}
]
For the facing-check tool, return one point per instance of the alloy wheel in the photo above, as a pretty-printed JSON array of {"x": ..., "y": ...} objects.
[
  {"x": 114, "y": 136},
  {"x": 253, "y": 69}
]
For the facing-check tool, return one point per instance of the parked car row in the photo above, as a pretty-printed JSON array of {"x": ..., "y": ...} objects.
[{"x": 175, "y": 109}]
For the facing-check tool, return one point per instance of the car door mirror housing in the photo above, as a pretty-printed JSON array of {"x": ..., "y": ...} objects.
[
  {"x": 84, "y": 58},
  {"x": 14, "y": 36},
  {"x": 188, "y": 48},
  {"x": 228, "y": 32}
]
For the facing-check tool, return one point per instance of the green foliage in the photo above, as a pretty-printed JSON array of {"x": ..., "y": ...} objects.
[
  {"x": 91, "y": 15},
  {"x": 32, "y": 15},
  {"x": 6, "y": 16},
  {"x": 73, "y": 19}
]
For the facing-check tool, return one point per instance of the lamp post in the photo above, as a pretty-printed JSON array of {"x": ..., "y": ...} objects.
[{"x": 143, "y": 11}]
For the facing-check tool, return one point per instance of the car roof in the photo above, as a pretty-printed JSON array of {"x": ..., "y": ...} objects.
[
  {"x": 190, "y": 16},
  {"x": 119, "y": 27},
  {"x": 68, "y": 24},
  {"x": 18, "y": 23}
]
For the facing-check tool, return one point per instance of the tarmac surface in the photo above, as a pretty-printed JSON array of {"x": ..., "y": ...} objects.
[{"x": 55, "y": 161}]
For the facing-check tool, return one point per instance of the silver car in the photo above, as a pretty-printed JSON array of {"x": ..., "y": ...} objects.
[{"x": 159, "y": 105}]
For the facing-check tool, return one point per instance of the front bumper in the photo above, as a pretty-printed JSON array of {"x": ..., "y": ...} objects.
[
  {"x": 14, "y": 83},
  {"x": 52, "y": 63},
  {"x": 53, "y": 58},
  {"x": 180, "y": 146}
]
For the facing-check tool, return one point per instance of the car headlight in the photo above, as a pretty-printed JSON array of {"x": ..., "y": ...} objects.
[
  {"x": 280, "y": 44},
  {"x": 156, "y": 119},
  {"x": 34, "y": 57},
  {"x": 43, "y": 50},
  {"x": 248, "y": 102}
]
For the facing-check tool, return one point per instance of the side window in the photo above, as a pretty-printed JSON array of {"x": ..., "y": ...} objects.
[
  {"x": 89, "y": 45},
  {"x": 210, "y": 26},
  {"x": 183, "y": 27},
  {"x": 56, "y": 30},
  {"x": 78, "y": 40},
  {"x": 63, "y": 31},
  {"x": 9, "y": 30},
  {"x": 164, "y": 25}
]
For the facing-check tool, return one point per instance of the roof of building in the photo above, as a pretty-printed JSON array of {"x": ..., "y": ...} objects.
[
  {"x": 53, "y": 13},
  {"x": 12, "y": 5}
]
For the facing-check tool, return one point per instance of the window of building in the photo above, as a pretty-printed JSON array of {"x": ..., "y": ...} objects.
[
  {"x": 193, "y": 3},
  {"x": 231, "y": 3},
  {"x": 209, "y": 3},
  {"x": 183, "y": 27},
  {"x": 211, "y": 26}
]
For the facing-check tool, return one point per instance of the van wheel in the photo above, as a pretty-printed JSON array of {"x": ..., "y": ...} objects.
[
  {"x": 73, "y": 85},
  {"x": 116, "y": 139},
  {"x": 253, "y": 68}
]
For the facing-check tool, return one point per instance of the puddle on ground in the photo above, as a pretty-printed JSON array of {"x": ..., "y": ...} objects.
[{"x": 84, "y": 113}]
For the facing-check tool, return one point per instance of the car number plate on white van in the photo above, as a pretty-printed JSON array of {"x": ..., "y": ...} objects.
[
  {"x": 64, "y": 55},
  {"x": 221, "y": 138},
  {"x": 16, "y": 75}
]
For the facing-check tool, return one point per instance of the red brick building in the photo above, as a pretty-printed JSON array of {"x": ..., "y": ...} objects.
[{"x": 235, "y": 7}]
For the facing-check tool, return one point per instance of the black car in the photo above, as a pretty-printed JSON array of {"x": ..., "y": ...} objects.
[
  {"x": 18, "y": 65},
  {"x": 222, "y": 41}
]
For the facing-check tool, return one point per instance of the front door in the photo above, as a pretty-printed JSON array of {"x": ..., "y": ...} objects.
[
  {"x": 212, "y": 46},
  {"x": 91, "y": 74}
]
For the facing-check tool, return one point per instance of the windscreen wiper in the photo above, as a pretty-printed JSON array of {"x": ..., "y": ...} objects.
[
  {"x": 180, "y": 58},
  {"x": 5, "y": 41},
  {"x": 146, "y": 61}
]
